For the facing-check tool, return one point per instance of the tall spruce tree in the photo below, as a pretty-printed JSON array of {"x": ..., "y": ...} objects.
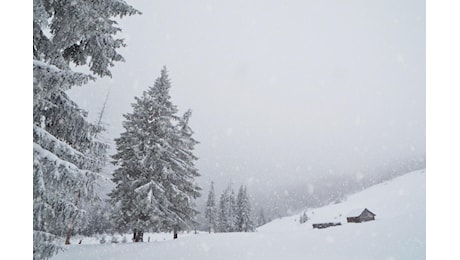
[
  {"x": 181, "y": 189},
  {"x": 227, "y": 208},
  {"x": 66, "y": 154},
  {"x": 210, "y": 212},
  {"x": 155, "y": 187},
  {"x": 222, "y": 217},
  {"x": 243, "y": 212}
]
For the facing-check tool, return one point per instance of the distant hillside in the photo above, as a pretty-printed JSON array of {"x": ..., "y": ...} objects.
[{"x": 398, "y": 231}]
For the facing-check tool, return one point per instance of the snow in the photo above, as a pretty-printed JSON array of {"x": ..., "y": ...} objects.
[
  {"x": 355, "y": 212},
  {"x": 397, "y": 233},
  {"x": 52, "y": 68}
]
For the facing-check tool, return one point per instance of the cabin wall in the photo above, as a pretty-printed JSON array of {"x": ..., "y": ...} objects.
[{"x": 353, "y": 220}]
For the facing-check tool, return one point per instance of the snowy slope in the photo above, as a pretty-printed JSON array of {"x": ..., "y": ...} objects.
[{"x": 397, "y": 233}]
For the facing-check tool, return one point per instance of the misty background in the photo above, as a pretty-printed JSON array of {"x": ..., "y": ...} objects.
[{"x": 302, "y": 101}]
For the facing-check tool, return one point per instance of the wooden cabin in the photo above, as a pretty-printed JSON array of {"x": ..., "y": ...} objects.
[{"x": 360, "y": 215}]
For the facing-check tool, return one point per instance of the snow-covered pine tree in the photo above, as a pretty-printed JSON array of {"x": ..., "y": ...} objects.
[
  {"x": 261, "y": 218},
  {"x": 303, "y": 217},
  {"x": 180, "y": 187},
  {"x": 210, "y": 212},
  {"x": 222, "y": 218},
  {"x": 243, "y": 212},
  {"x": 97, "y": 213},
  {"x": 227, "y": 208},
  {"x": 96, "y": 219},
  {"x": 232, "y": 207},
  {"x": 66, "y": 156},
  {"x": 154, "y": 180}
]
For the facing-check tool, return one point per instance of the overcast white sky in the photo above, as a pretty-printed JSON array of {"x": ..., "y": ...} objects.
[{"x": 281, "y": 91}]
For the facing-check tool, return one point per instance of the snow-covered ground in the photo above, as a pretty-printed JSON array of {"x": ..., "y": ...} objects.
[{"x": 397, "y": 233}]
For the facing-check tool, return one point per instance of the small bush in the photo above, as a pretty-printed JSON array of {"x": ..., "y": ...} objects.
[{"x": 303, "y": 218}]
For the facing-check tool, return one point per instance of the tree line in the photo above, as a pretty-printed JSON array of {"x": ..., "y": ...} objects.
[{"x": 231, "y": 214}]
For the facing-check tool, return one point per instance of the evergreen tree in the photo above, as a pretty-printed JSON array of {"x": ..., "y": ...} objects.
[
  {"x": 97, "y": 213},
  {"x": 222, "y": 218},
  {"x": 231, "y": 201},
  {"x": 243, "y": 212},
  {"x": 66, "y": 153},
  {"x": 227, "y": 208},
  {"x": 181, "y": 189},
  {"x": 154, "y": 180},
  {"x": 261, "y": 220},
  {"x": 211, "y": 213},
  {"x": 97, "y": 219},
  {"x": 303, "y": 217}
]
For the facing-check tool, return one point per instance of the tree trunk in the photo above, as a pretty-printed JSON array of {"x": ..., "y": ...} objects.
[
  {"x": 141, "y": 236},
  {"x": 69, "y": 233},
  {"x": 138, "y": 235},
  {"x": 175, "y": 233}
]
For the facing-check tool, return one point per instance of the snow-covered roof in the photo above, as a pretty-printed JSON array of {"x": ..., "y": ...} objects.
[{"x": 356, "y": 212}]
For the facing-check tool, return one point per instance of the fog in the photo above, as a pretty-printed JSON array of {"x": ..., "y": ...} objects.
[{"x": 296, "y": 99}]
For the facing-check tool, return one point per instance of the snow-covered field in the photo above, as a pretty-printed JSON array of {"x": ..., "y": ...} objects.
[{"x": 397, "y": 233}]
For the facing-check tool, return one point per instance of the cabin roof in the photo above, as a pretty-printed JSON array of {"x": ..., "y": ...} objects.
[{"x": 357, "y": 212}]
